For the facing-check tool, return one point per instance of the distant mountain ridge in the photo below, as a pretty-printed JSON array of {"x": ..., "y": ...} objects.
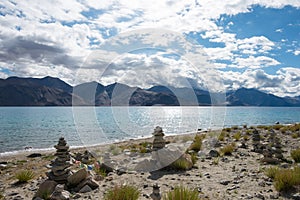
[{"x": 50, "y": 91}]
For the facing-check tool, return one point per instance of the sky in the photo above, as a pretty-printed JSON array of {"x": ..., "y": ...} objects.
[{"x": 215, "y": 45}]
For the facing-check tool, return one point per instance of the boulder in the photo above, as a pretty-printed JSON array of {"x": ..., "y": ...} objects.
[
  {"x": 46, "y": 187},
  {"x": 77, "y": 177}
]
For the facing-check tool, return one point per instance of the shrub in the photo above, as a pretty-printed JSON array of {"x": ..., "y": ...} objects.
[
  {"x": 284, "y": 180},
  {"x": 271, "y": 172},
  {"x": 222, "y": 136},
  {"x": 246, "y": 137},
  {"x": 296, "y": 155},
  {"x": 180, "y": 164},
  {"x": 197, "y": 143},
  {"x": 24, "y": 176},
  {"x": 227, "y": 150},
  {"x": 1, "y": 195},
  {"x": 295, "y": 135},
  {"x": 277, "y": 126},
  {"x": 124, "y": 192},
  {"x": 194, "y": 158},
  {"x": 181, "y": 193},
  {"x": 237, "y": 136},
  {"x": 235, "y": 127}
]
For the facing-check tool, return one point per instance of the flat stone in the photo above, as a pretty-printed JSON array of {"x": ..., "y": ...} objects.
[
  {"x": 47, "y": 186},
  {"x": 85, "y": 189},
  {"x": 77, "y": 177},
  {"x": 213, "y": 153},
  {"x": 34, "y": 155}
]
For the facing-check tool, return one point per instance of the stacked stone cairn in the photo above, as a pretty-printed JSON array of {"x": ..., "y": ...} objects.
[
  {"x": 156, "y": 193},
  {"x": 273, "y": 152},
  {"x": 59, "y": 167},
  {"x": 159, "y": 141},
  {"x": 257, "y": 146},
  {"x": 61, "y": 181}
]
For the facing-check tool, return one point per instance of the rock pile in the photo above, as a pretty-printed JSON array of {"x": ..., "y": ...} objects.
[
  {"x": 59, "y": 167},
  {"x": 159, "y": 141},
  {"x": 257, "y": 146},
  {"x": 61, "y": 181}
]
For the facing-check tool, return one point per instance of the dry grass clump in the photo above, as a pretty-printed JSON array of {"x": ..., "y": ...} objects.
[
  {"x": 180, "y": 164},
  {"x": 182, "y": 193},
  {"x": 237, "y": 136},
  {"x": 284, "y": 179},
  {"x": 197, "y": 143},
  {"x": 271, "y": 172},
  {"x": 24, "y": 176},
  {"x": 296, "y": 155},
  {"x": 123, "y": 192},
  {"x": 227, "y": 150}
]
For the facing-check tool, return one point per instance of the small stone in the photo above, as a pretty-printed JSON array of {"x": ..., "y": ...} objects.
[
  {"x": 260, "y": 196},
  {"x": 85, "y": 189},
  {"x": 224, "y": 182},
  {"x": 60, "y": 194},
  {"x": 213, "y": 153},
  {"x": 34, "y": 155}
]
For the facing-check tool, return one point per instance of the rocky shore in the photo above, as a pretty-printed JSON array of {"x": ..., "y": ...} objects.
[{"x": 228, "y": 164}]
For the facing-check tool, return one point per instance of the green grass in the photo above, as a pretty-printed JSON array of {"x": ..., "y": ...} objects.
[
  {"x": 100, "y": 171},
  {"x": 197, "y": 143},
  {"x": 286, "y": 179},
  {"x": 295, "y": 135},
  {"x": 1, "y": 195},
  {"x": 277, "y": 126},
  {"x": 271, "y": 172},
  {"x": 123, "y": 192},
  {"x": 227, "y": 150},
  {"x": 194, "y": 158},
  {"x": 295, "y": 154},
  {"x": 180, "y": 164},
  {"x": 24, "y": 176},
  {"x": 237, "y": 136},
  {"x": 182, "y": 193},
  {"x": 222, "y": 136},
  {"x": 46, "y": 195}
]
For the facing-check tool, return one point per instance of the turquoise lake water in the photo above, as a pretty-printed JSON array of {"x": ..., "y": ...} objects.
[{"x": 40, "y": 127}]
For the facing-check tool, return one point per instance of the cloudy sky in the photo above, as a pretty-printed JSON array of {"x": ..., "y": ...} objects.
[{"x": 228, "y": 44}]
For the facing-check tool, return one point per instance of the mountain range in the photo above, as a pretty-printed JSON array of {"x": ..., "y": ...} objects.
[{"x": 50, "y": 91}]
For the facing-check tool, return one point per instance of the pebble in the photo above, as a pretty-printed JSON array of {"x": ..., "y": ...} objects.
[{"x": 224, "y": 182}]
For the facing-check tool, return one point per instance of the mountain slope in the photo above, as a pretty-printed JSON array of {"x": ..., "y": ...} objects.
[{"x": 51, "y": 91}]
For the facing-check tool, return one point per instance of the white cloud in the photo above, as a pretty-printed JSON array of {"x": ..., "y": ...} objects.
[
  {"x": 297, "y": 52},
  {"x": 255, "y": 62},
  {"x": 286, "y": 81},
  {"x": 54, "y": 38}
]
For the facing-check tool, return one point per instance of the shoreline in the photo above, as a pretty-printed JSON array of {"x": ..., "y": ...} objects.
[{"x": 75, "y": 147}]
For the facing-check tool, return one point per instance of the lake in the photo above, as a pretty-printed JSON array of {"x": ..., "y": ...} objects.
[{"x": 40, "y": 127}]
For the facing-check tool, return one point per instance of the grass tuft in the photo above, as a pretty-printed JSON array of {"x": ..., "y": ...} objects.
[
  {"x": 197, "y": 143},
  {"x": 24, "y": 176},
  {"x": 180, "y": 164},
  {"x": 227, "y": 150},
  {"x": 123, "y": 192},
  {"x": 296, "y": 155},
  {"x": 182, "y": 193},
  {"x": 271, "y": 172},
  {"x": 237, "y": 136}
]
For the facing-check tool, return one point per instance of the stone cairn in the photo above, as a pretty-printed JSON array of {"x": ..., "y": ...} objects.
[
  {"x": 257, "y": 146},
  {"x": 155, "y": 193},
  {"x": 273, "y": 152},
  {"x": 59, "y": 167},
  {"x": 159, "y": 141}
]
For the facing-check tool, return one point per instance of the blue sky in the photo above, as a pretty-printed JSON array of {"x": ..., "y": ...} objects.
[{"x": 224, "y": 46}]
